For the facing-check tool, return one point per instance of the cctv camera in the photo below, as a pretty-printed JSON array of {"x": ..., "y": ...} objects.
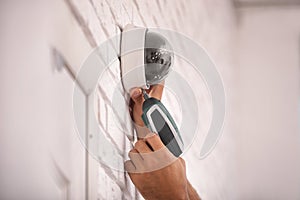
[{"x": 146, "y": 57}]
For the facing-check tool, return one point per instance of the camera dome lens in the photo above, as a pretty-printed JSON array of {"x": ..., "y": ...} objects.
[{"x": 158, "y": 58}]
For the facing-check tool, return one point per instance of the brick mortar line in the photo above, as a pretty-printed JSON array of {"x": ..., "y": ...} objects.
[
  {"x": 91, "y": 40},
  {"x": 108, "y": 103},
  {"x": 80, "y": 20},
  {"x": 111, "y": 139},
  {"x": 138, "y": 12},
  {"x": 89, "y": 36},
  {"x": 100, "y": 22},
  {"x": 110, "y": 174},
  {"x": 111, "y": 11},
  {"x": 68, "y": 68},
  {"x": 125, "y": 9}
]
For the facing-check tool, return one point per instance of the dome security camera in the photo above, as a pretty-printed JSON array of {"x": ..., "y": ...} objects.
[{"x": 146, "y": 66}]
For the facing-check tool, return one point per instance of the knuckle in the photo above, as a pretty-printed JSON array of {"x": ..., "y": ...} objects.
[{"x": 131, "y": 152}]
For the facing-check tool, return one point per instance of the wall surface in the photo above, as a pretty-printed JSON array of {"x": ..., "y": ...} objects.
[
  {"x": 41, "y": 156},
  {"x": 254, "y": 44},
  {"x": 268, "y": 139},
  {"x": 42, "y": 49},
  {"x": 210, "y": 24}
]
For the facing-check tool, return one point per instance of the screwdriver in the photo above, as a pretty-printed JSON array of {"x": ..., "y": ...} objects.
[{"x": 158, "y": 119}]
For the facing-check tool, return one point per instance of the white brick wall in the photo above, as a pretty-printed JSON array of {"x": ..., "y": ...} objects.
[
  {"x": 209, "y": 23},
  {"x": 41, "y": 155}
]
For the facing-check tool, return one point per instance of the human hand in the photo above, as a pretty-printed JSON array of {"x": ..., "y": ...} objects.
[
  {"x": 153, "y": 169},
  {"x": 155, "y": 172},
  {"x": 137, "y": 100}
]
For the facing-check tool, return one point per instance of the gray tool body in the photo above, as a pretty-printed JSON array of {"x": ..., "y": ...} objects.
[{"x": 157, "y": 118}]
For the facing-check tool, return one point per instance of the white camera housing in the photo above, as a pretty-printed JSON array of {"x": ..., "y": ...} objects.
[
  {"x": 146, "y": 57},
  {"x": 133, "y": 72}
]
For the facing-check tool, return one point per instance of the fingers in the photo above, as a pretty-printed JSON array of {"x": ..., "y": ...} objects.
[
  {"x": 136, "y": 106},
  {"x": 137, "y": 100},
  {"x": 142, "y": 147},
  {"x": 136, "y": 158},
  {"x": 141, "y": 130},
  {"x": 149, "y": 154},
  {"x": 136, "y": 95},
  {"x": 129, "y": 166},
  {"x": 154, "y": 141},
  {"x": 155, "y": 91},
  {"x": 161, "y": 152}
]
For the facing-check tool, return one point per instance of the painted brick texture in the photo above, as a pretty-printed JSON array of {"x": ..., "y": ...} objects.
[{"x": 210, "y": 23}]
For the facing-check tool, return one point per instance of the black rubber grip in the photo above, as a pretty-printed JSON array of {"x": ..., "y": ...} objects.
[{"x": 165, "y": 133}]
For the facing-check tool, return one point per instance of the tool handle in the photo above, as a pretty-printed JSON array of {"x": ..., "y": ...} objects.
[{"x": 157, "y": 118}]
